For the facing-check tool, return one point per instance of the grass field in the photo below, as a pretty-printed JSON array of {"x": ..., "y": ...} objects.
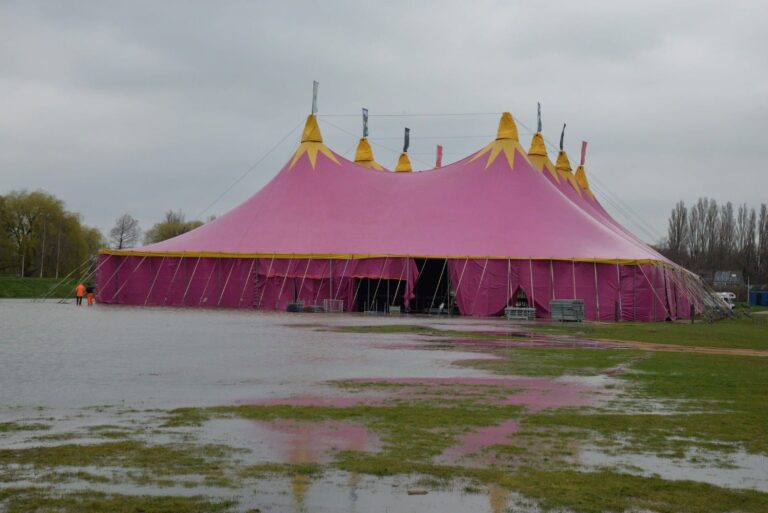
[{"x": 13, "y": 287}]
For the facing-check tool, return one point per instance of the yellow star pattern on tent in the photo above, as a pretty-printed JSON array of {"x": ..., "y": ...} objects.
[{"x": 312, "y": 144}]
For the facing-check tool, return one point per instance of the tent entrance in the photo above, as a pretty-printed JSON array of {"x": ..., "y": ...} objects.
[
  {"x": 432, "y": 288},
  {"x": 375, "y": 295},
  {"x": 520, "y": 299}
]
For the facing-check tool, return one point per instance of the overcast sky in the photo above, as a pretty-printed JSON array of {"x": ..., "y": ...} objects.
[{"x": 141, "y": 107}]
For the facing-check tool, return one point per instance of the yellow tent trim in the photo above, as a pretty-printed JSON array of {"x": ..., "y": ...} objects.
[
  {"x": 537, "y": 154},
  {"x": 359, "y": 256},
  {"x": 581, "y": 179},
  {"x": 563, "y": 166},
  {"x": 312, "y": 144},
  {"x": 506, "y": 143},
  {"x": 364, "y": 155},
  {"x": 403, "y": 164}
]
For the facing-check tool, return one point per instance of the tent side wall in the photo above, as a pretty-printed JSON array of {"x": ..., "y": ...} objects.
[{"x": 264, "y": 283}]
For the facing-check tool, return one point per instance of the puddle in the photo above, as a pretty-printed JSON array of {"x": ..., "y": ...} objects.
[{"x": 737, "y": 469}]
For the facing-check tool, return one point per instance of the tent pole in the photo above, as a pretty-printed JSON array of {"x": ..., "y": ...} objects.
[
  {"x": 285, "y": 278},
  {"x": 573, "y": 269},
  {"x": 509, "y": 283},
  {"x": 173, "y": 279},
  {"x": 397, "y": 289},
  {"x": 533, "y": 292},
  {"x": 634, "y": 292},
  {"x": 618, "y": 290},
  {"x": 378, "y": 283},
  {"x": 461, "y": 277},
  {"x": 226, "y": 282},
  {"x": 439, "y": 281},
  {"x": 189, "y": 283},
  {"x": 341, "y": 279},
  {"x": 301, "y": 284},
  {"x": 245, "y": 282},
  {"x": 552, "y": 277},
  {"x": 597, "y": 299},
  {"x": 208, "y": 282},
  {"x": 480, "y": 284},
  {"x": 266, "y": 282},
  {"x": 152, "y": 286}
]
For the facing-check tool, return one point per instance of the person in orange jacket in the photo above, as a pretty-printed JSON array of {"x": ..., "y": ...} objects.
[
  {"x": 89, "y": 294},
  {"x": 79, "y": 293}
]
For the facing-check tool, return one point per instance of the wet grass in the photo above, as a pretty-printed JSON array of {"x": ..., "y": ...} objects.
[
  {"x": 7, "y": 427},
  {"x": 427, "y": 331},
  {"x": 541, "y": 361},
  {"x": 209, "y": 461},
  {"x": 719, "y": 400},
  {"x": 14, "y": 287},
  {"x": 36, "y": 500},
  {"x": 742, "y": 333}
]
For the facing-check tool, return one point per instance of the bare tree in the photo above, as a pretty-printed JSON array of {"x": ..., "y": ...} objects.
[
  {"x": 126, "y": 232},
  {"x": 762, "y": 248},
  {"x": 746, "y": 225},
  {"x": 726, "y": 234},
  {"x": 697, "y": 239},
  {"x": 677, "y": 233}
]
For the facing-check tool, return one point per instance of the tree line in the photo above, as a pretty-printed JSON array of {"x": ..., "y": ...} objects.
[
  {"x": 40, "y": 237},
  {"x": 708, "y": 237}
]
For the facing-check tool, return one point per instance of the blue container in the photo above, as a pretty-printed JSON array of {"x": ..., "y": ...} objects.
[{"x": 758, "y": 297}]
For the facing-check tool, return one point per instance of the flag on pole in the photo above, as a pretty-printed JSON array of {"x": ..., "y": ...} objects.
[
  {"x": 439, "y": 161},
  {"x": 538, "y": 116},
  {"x": 583, "y": 152},
  {"x": 562, "y": 137},
  {"x": 315, "y": 85},
  {"x": 407, "y": 141},
  {"x": 365, "y": 122}
]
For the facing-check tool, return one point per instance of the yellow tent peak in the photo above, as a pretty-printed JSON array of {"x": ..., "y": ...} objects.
[
  {"x": 537, "y": 146},
  {"x": 403, "y": 164},
  {"x": 364, "y": 155},
  {"x": 563, "y": 164},
  {"x": 581, "y": 179},
  {"x": 311, "y": 130},
  {"x": 507, "y": 128},
  {"x": 312, "y": 144}
]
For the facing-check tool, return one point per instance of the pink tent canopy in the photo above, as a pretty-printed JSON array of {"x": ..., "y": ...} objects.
[{"x": 493, "y": 206}]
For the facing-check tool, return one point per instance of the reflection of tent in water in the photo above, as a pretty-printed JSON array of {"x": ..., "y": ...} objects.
[{"x": 500, "y": 227}]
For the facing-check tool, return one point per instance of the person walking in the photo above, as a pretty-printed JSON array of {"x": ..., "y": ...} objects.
[
  {"x": 79, "y": 293},
  {"x": 89, "y": 292}
]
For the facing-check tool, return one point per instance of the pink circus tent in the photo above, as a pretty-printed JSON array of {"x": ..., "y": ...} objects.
[{"x": 504, "y": 224}]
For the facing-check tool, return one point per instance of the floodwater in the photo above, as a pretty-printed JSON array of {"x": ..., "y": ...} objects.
[{"x": 78, "y": 368}]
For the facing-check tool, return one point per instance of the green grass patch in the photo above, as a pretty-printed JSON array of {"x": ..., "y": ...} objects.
[
  {"x": 427, "y": 331},
  {"x": 744, "y": 332},
  {"x": 543, "y": 361},
  {"x": 35, "y": 500},
  {"x": 7, "y": 427},
  {"x": 14, "y": 287}
]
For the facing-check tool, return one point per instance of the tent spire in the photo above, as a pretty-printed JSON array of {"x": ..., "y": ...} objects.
[
  {"x": 364, "y": 153},
  {"x": 404, "y": 163},
  {"x": 507, "y": 142},
  {"x": 563, "y": 166},
  {"x": 581, "y": 175},
  {"x": 311, "y": 138},
  {"x": 537, "y": 153}
]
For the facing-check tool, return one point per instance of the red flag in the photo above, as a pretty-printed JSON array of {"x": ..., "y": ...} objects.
[
  {"x": 439, "y": 161},
  {"x": 583, "y": 152}
]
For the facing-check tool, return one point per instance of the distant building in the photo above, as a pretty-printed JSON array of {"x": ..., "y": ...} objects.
[{"x": 728, "y": 279}]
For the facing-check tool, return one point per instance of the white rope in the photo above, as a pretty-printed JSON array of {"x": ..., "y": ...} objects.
[
  {"x": 306, "y": 269},
  {"x": 173, "y": 279},
  {"x": 597, "y": 298},
  {"x": 655, "y": 294},
  {"x": 533, "y": 291},
  {"x": 129, "y": 276},
  {"x": 266, "y": 282},
  {"x": 245, "y": 283},
  {"x": 189, "y": 283},
  {"x": 618, "y": 291},
  {"x": 152, "y": 286},
  {"x": 378, "y": 283},
  {"x": 285, "y": 278},
  {"x": 341, "y": 279},
  {"x": 479, "y": 284},
  {"x": 208, "y": 281},
  {"x": 439, "y": 280},
  {"x": 397, "y": 289},
  {"x": 573, "y": 272},
  {"x": 125, "y": 259},
  {"x": 226, "y": 282},
  {"x": 552, "y": 277}
]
